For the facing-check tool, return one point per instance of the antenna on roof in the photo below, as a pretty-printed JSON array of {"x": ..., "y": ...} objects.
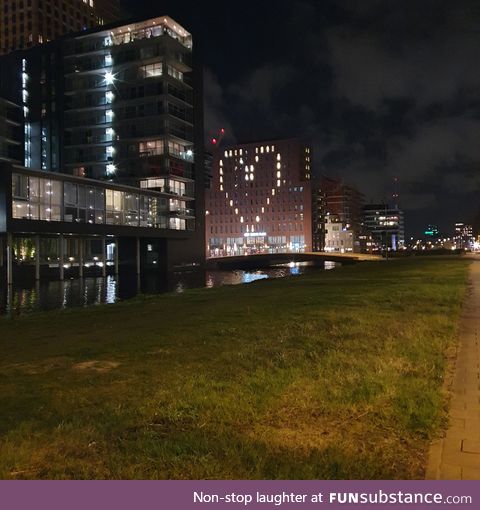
[{"x": 217, "y": 140}]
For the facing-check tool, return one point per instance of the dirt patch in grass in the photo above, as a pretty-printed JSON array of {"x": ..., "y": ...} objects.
[
  {"x": 39, "y": 367},
  {"x": 96, "y": 365}
]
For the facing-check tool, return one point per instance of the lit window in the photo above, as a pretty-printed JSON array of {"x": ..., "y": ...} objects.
[
  {"x": 267, "y": 148},
  {"x": 279, "y": 165},
  {"x": 256, "y": 159},
  {"x": 261, "y": 149},
  {"x": 279, "y": 175},
  {"x": 174, "y": 73},
  {"x": 257, "y": 219},
  {"x": 151, "y": 70},
  {"x": 278, "y": 157},
  {"x": 241, "y": 219}
]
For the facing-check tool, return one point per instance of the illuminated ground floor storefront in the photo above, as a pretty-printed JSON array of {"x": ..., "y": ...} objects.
[{"x": 254, "y": 243}]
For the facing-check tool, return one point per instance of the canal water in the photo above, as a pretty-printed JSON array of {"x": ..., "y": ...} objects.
[{"x": 48, "y": 295}]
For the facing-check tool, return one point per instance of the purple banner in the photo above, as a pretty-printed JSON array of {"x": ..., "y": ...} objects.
[{"x": 252, "y": 495}]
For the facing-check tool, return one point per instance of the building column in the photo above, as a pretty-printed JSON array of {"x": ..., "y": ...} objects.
[
  {"x": 138, "y": 255},
  {"x": 80, "y": 257},
  {"x": 104, "y": 257},
  {"x": 61, "y": 259},
  {"x": 9, "y": 259},
  {"x": 37, "y": 257},
  {"x": 116, "y": 256}
]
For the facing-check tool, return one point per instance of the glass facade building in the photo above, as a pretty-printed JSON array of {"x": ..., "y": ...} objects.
[{"x": 120, "y": 103}]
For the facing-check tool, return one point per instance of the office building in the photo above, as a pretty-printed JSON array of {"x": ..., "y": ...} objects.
[
  {"x": 121, "y": 103},
  {"x": 260, "y": 199},
  {"x": 463, "y": 237},
  {"x": 343, "y": 216},
  {"x": 26, "y": 23},
  {"x": 318, "y": 215},
  {"x": 386, "y": 225}
]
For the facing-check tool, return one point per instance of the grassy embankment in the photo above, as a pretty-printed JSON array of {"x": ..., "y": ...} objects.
[{"x": 330, "y": 375}]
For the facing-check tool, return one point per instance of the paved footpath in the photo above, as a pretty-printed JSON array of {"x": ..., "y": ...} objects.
[{"x": 457, "y": 455}]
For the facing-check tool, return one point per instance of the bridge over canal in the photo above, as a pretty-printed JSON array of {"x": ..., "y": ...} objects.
[{"x": 261, "y": 260}]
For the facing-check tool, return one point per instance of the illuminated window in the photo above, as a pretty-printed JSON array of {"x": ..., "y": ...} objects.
[
  {"x": 241, "y": 219},
  {"x": 267, "y": 148},
  {"x": 226, "y": 154},
  {"x": 151, "y": 70},
  {"x": 278, "y": 175},
  {"x": 231, "y": 203},
  {"x": 279, "y": 165},
  {"x": 174, "y": 73},
  {"x": 152, "y": 147},
  {"x": 257, "y": 219},
  {"x": 256, "y": 159},
  {"x": 221, "y": 162},
  {"x": 261, "y": 149},
  {"x": 246, "y": 177}
]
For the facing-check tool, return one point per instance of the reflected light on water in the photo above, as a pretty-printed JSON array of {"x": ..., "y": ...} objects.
[{"x": 48, "y": 295}]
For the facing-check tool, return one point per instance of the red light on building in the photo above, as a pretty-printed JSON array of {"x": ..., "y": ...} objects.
[{"x": 214, "y": 141}]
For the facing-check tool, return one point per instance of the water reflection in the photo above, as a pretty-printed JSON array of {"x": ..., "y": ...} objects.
[{"x": 48, "y": 295}]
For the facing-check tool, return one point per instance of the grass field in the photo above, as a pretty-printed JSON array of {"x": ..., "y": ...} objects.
[{"x": 330, "y": 375}]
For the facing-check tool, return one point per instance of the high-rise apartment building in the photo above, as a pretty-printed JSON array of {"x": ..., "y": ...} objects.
[
  {"x": 26, "y": 23},
  {"x": 10, "y": 132},
  {"x": 122, "y": 104},
  {"x": 260, "y": 199},
  {"x": 343, "y": 207},
  {"x": 386, "y": 225}
]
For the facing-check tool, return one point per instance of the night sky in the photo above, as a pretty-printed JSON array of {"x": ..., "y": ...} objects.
[{"x": 380, "y": 88}]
